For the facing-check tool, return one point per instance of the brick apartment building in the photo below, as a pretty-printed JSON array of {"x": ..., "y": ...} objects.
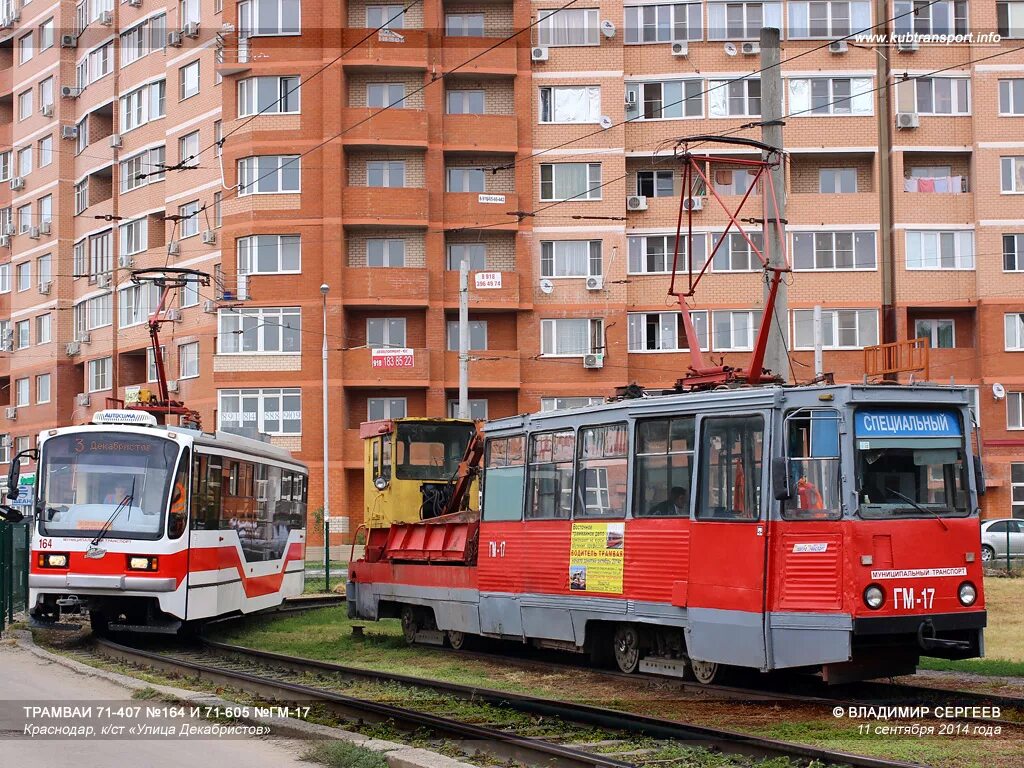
[{"x": 255, "y": 142}]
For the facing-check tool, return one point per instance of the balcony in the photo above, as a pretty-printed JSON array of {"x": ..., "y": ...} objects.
[
  {"x": 385, "y": 49},
  {"x": 832, "y": 209},
  {"x": 481, "y": 133},
  {"x": 497, "y": 369},
  {"x": 388, "y": 128},
  {"x": 385, "y": 288},
  {"x": 936, "y": 200},
  {"x": 500, "y": 61},
  {"x": 360, "y": 373},
  {"x": 500, "y": 299},
  {"x": 234, "y": 54},
  {"x": 385, "y": 207},
  {"x": 475, "y": 209}
]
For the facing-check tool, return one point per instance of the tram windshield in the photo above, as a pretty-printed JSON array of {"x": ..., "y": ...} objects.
[
  {"x": 430, "y": 450},
  {"x": 85, "y": 478}
]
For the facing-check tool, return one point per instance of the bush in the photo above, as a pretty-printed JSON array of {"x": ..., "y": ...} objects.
[{"x": 344, "y": 754}]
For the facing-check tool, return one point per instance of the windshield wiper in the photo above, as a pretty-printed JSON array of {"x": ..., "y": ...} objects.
[
  {"x": 129, "y": 497},
  {"x": 919, "y": 508}
]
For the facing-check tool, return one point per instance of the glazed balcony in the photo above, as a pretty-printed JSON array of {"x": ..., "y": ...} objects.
[
  {"x": 476, "y": 209},
  {"x": 385, "y": 207},
  {"x": 502, "y": 372},
  {"x": 459, "y": 50},
  {"x": 385, "y": 288},
  {"x": 481, "y": 133},
  {"x": 360, "y": 373},
  {"x": 388, "y": 128},
  {"x": 385, "y": 49}
]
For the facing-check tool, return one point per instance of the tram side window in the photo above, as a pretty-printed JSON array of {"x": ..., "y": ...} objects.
[
  {"x": 813, "y": 460},
  {"x": 177, "y": 517},
  {"x": 504, "y": 475},
  {"x": 664, "y": 467},
  {"x": 206, "y": 493},
  {"x": 602, "y": 471},
  {"x": 730, "y": 468},
  {"x": 550, "y": 476}
]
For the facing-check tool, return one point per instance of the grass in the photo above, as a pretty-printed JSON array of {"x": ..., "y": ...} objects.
[{"x": 342, "y": 754}]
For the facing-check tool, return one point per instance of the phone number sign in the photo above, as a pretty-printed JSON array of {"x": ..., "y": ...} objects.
[{"x": 392, "y": 358}]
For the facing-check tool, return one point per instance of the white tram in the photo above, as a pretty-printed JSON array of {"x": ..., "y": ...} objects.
[{"x": 150, "y": 527}]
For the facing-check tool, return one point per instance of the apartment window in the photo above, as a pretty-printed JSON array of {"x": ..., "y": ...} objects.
[
  {"x": 44, "y": 327},
  {"x": 464, "y": 24},
  {"x": 23, "y": 276},
  {"x": 381, "y": 95},
  {"x": 270, "y": 254},
  {"x": 1013, "y": 253},
  {"x": 44, "y": 269},
  {"x": 5, "y": 278},
  {"x": 570, "y": 26},
  {"x": 570, "y": 181},
  {"x": 101, "y": 62},
  {"x": 6, "y": 221},
  {"x": 828, "y": 18},
  {"x": 562, "y": 403},
  {"x": 924, "y": 17},
  {"x": 5, "y": 449},
  {"x": 46, "y": 209},
  {"x": 100, "y": 258},
  {"x": 270, "y": 411},
  {"x": 1015, "y": 408},
  {"x": 734, "y": 330},
  {"x": 654, "y": 254},
  {"x": 21, "y": 393},
  {"x": 570, "y": 258},
  {"x": 742, "y": 20},
  {"x": 735, "y": 254},
  {"x": 385, "y": 16},
  {"x": 727, "y": 181},
  {"x": 270, "y": 17},
  {"x": 24, "y": 218},
  {"x": 1016, "y": 488},
  {"x": 1011, "y": 96},
  {"x": 188, "y": 80},
  {"x": 465, "y": 102},
  {"x": 837, "y": 181},
  {"x": 385, "y": 173},
  {"x": 82, "y": 73},
  {"x": 940, "y": 250},
  {"x": 144, "y": 168},
  {"x": 82, "y": 137},
  {"x": 45, "y": 151},
  {"x": 25, "y": 104},
  {"x": 830, "y": 96},
  {"x": 81, "y": 262},
  {"x": 149, "y": 36},
  {"x": 668, "y": 100},
  {"x": 941, "y": 334},
  {"x": 385, "y": 252},
  {"x": 1011, "y": 174},
  {"x": 188, "y": 360},
  {"x": 42, "y": 388},
  {"x": 826, "y": 251},
  {"x": 378, "y": 408},
  {"x": 663, "y": 331},
  {"x": 135, "y": 304},
  {"x": 466, "y": 180},
  {"x": 268, "y": 174},
  {"x": 655, "y": 183},
  {"x": 840, "y": 328},
  {"x": 188, "y": 296},
  {"x": 46, "y": 93},
  {"x": 268, "y": 95},
  {"x": 188, "y": 150},
  {"x": 734, "y": 98},
  {"x": 25, "y": 48},
  {"x": 663, "y": 23},
  {"x": 1014, "y": 323},
  {"x": 260, "y": 330},
  {"x": 189, "y": 219},
  {"x": 134, "y": 237},
  {"x": 570, "y": 104},
  {"x": 571, "y": 337},
  {"x": 474, "y": 253},
  {"x": 942, "y": 96},
  {"x": 23, "y": 333},
  {"x": 477, "y": 335},
  {"x": 218, "y": 220},
  {"x": 24, "y": 161},
  {"x": 99, "y": 374},
  {"x": 143, "y": 104},
  {"x": 384, "y": 332},
  {"x": 477, "y": 409},
  {"x": 22, "y": 443},
  {"x": 5, "y": 165},
  {"x": 46, "y": 35}
]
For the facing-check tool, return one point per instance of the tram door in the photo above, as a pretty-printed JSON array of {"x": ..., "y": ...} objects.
[{"x": 725, "y": 594}]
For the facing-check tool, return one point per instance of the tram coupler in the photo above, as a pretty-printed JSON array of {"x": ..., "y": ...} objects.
[
  {"x": 69, "y": 604},
  {"x": 927, "y": 640}
]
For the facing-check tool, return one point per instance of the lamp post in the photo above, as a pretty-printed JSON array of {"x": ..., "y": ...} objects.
[{"x": 324, "y": 289}]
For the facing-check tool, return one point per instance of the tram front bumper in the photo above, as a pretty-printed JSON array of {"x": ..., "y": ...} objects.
[{"x": 117, "y": 583}]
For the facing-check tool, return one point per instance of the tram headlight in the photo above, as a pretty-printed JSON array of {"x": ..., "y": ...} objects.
[
  {"x": 52, "y": 560},
  {"x": 874, "y": 597},
  {"x": 141, "y": 563},
  {"x": 967, "y": 593}
]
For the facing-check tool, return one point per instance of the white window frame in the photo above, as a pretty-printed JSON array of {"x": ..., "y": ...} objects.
[
  {"x": 249, "y": 174},
  {"x": 1013, "y": 331},
  {"x": 134, "y": 236},
  {"x": 463, "y": 98},
  {"x": 821, "y": 238},
  {"x": 736, "y": 238},
  {"x": 920, "y": 17},
  {"x": 43, "y": 394},
  {"x": 554, "y": 27},
  {"x": 745, "y": 321},
  {"x": 654, "y": 20},
  {"x": 550, "y": 257},
  {"x": 44, "y": 328},
  {"x": 637, "y": 93},
  {"x": 231, "y": 325},
  {"x": 1015, "y": 252},
  {"x": 386, "y": 328},
  {"x": 637, "y": 248},
  {"x": 637, "y": 325},
  {"x": 288, "y": 89},
  {"x": 859, "y": 102},
  {"x": 930, "y": 83},
  {"x": 552, "y": 99},
  {"x": 934, "y": 324},
  {"x": 1014, "y": 402},
  {"x": 1011, "y": 175},
  {"x": 723, "y": 93},
  {"x": 1011, "y": 96},
  {"x": 718, "y": 13},
  {"x": 477, "y": 256},
  {"x": 838, "y": 172},
  {"x": 98, "y": 374},
  {"x": 962, "y": 262},
  {"x": 477, "y": 408},
  {"x": 389, "y": 408},
  {"x": 249, "y": 249},
  {"x": 186, "y": 80},
  {"x": 593, "y": 191},
  {"x": 562, "y": 403},
  {"x": 549, "y": 336},
  {"x": 262, "y": 396},
  {"x": 477, "y": 331},
  {"x": 386, "y": 171},
  {"x": 290, "y": 10},
  {"x": 831, "y": 321},
  {"x": 188, "y": 360},
  {"x": 22, "y": 392},
  {"x": 392, "y": 255},
  {"x": 858, "y": 19}
]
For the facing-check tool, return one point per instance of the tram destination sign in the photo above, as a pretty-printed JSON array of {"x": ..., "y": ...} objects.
[{"x": 906, "y": 423}]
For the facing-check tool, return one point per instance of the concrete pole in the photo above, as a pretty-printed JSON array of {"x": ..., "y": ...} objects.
[
  {"x": 776, "y": 357},
  {"x": 819, "y": 365},
  {"x": 327, "y": 471},
  {"x": 464, "y": 339}
]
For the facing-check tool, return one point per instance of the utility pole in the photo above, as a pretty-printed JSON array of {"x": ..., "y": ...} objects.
[
  {"x": 464, "y": 338},
  {"x": 324, "y": 289},
  {"x": 819, "y": 364},
  {"x": 776, "y": 357}
]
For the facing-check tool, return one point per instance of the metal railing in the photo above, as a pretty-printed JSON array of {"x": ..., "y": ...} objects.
[
  {"x": 907, "y": 356},
  {"x": 14, "y": 554}
]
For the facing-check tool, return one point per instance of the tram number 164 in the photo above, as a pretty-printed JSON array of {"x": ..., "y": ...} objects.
[
  {"x": 908, "y": 598},
  {"x": 496, "y": 548}
]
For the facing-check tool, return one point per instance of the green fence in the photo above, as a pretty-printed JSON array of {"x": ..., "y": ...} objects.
[{"x": 14, "y": 554}]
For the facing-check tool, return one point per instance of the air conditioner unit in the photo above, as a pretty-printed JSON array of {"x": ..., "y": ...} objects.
[
  {"x": 7, "y": 345},
  {"x": 907, "y": 120},
  {"x": 174, "y": 39},
  {"x": 209, "y": 236},
  {"x": 191, "y": 29},
  {"x": 908, "y": 45},
  {"x": 33, "y": 233},
  {"x": 593, "y": 361},
  {"x": 693, "y": 204},
  {"x": 636, "y": 203},
  {"x": 46, "y": 110},
  {"x": 595, "y": 283},
  {"x": 12, "y": 413},
  {"x": 173, "y": 248},
  {"x": 750, "y": 49},
  {"x": 45, "y": 227},
  {"x": 84, "y": 337},
  {"x": 539, "y": 53},
  {"x": 106, "y": 18},
  {"x": 44, "y": 287},
  {"x": 5, "y": 241},
  {"x": 70, "y": 92},
  {"x": 104, "y": 280},
  {"x": 210, "y": 307},
  {"x": 174, "y": 315},
  {"x": 125, "y": 261},
  {"x": 115, "y": 141},
  {"x": 18, "y": 182},
  {"x": 83, "y": 399},
  {"x": 680, "y": 48},
  {"x": 69, "y": 41},
  {"x": 69, "y": 132},
  {"x": 838, "y": 46},
  {"x": 135, "y": 3},
  {"x": 73, "y": 348},
  {"x": 172, "y": 385}
]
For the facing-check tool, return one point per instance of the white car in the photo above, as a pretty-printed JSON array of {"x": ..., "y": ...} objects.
[{"x": 997, "y": 535}]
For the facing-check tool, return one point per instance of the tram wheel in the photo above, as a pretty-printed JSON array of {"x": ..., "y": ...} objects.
[
  {"x": 456, "y": 639},
  {"x": 626, "y": 644},
  {"x": 410, "y": 625},
  {"x": 704, "y": 672}
]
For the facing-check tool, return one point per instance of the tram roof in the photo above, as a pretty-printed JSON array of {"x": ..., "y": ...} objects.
[{"x": 730, "y": 399}]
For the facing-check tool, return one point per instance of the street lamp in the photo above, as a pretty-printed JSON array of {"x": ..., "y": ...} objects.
[{"x": 324, "y": 289}]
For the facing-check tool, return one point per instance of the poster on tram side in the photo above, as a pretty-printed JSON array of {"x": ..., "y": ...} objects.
[{"x": 596, "y": 557}]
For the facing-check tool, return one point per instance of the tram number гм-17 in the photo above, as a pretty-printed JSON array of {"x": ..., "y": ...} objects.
[
  {"x": 908, "y": 598},
  {"x": 496, "y": 548}
]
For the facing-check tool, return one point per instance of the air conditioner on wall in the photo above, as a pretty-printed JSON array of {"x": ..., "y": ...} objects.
[
  {"x": 680, "y": 48},
  {"x": 174, "y": 39},
  {"x": 44, "y": 287},
  {"x": 907, "y": 120},
  {"x": 539, "y": 53},
  {"x": 69, "y": 41},
  {"x": 172, "y": 385},
  {"x": 595, "y": 282},
  {"x": 595, "y": 360},
  {"x": 126, "y": 261},
  {"x": 209, "y": 237},
  {"x": 45, "y": 226},
  {"x": 18, "y": 182},
  {"x": 69, "y": 132},
  {"x": 191, "y": 29},
  {"x": 838, "y": 46},
  {"x": 70, "y": 92},
  {"x": 73, "y": 348},
  {"x": 693, "y": 204},
  {"x": 750, "y": 49},
  {"x": 908, "y": 45},
  {"x": 115, "y": 140},
  {"x": 84, "y": 399},
  {"x": 106, "y": 18},
  {"x": 210, "y": 307},
  {"x": 46, "y": 110},
  {"x": 12, "y": 413},
  {"x": 5, "y": 241},
  {"x": 636, "y": 203}
]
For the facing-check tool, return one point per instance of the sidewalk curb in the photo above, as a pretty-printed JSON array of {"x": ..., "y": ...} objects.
[{"x": 397, "y": 755}]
